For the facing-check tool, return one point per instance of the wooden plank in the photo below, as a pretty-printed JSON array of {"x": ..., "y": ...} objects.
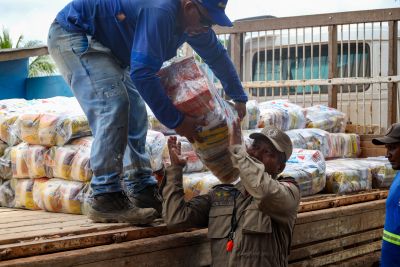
[
  {"x": 368, "y": 260},
  {"x": 18, "y": 218},
  {"x": 59, "y": 231},
  {"x": 341, "y": 255},
  {"x": 332, "y": 65},
  {"x": 236, "y": 53},
  {"x": 330, "y": 245},
  {"x": 19, "y": 53},
  {"x": 15, "y": 226},
  {"x": 339, "y": 222},
  {"x": 341, "y": 201},
  {"x": 329, "y": 19},
  {"x": 38, "y": 247},
  {"x": 182, "y": 249},
  {"x": 358, "y": 208}
]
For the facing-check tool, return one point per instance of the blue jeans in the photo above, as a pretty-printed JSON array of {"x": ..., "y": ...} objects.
[{"x": 115, "y": 111}]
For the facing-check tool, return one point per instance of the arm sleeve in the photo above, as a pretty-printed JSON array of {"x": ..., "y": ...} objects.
[
  {"x": 152, "y": 36},
  {"x": 176, "y": 211},
  {"x": 215, "y": 55},
  {"x": 278, "y": 199}
]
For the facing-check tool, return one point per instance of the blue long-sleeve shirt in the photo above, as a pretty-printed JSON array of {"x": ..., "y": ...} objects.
[
  {"x": 149, "y": 35},
  {"x": 391, "y": 243}
]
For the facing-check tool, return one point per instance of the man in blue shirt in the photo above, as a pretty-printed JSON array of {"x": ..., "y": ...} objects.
[
  {"x": 391, "y": 233},
  {"x": 109, "y": 52}
]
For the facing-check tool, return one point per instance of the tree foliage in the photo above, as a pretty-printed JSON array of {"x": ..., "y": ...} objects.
[{"x": 38, "y": 66}]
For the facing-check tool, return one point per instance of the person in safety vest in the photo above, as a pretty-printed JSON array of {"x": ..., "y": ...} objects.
[
  {"x": 109, "y": 53},
  {"x": 249, "y": 223},
  {"x": 391, "y": 234}
]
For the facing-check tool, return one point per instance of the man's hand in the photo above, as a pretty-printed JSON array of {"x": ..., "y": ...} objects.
[
  {"x": 188, "y": 128},
  {"x": 236, "y": 135},
  {"x": 175, "y": 155},
  {"x": 241, "y": 109}
]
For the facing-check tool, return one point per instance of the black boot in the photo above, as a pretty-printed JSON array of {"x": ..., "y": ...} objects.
[
  {"x": 147, "y": 198},
  {"x": 116, "y": 207}
]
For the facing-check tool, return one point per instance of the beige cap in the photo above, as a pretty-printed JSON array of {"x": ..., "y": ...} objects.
[{"x": 278, "y": 138}]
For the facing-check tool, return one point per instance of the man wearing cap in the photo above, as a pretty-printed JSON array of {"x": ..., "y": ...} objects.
[
  {"x": 109, "y": 53},
  {"x": 391, "y": 234},
  {"x": 249, "y": 223}
]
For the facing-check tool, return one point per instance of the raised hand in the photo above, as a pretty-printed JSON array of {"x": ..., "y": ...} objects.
[{"x": 174, "y": 149}]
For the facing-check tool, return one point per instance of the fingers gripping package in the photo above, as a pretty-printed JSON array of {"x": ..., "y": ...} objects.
[{"x": 194, "y": 95}]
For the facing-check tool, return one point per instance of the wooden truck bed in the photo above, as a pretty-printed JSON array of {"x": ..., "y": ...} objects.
[{"x": 329, "y": 229}]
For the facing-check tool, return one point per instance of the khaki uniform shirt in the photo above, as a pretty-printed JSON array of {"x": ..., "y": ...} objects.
[{"x": 265, "y": 209}]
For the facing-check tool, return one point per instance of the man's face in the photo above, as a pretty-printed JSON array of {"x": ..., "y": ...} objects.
[
  {"x": 393, "y": 155},
  {"x": 264, "y": 151},
  {"x": 195, "y": 18}
]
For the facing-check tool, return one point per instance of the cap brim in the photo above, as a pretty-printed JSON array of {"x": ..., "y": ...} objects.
[
  {"x": 385, "y": 140},
  {"x": 220, "y": 18},
  {"x": 260, "y": 135}
]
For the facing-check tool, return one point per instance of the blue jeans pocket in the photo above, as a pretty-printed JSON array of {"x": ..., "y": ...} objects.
[{"x": 79, "y": 44}]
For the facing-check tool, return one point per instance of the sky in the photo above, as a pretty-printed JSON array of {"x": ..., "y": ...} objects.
[{"x": 32, "y": 18}]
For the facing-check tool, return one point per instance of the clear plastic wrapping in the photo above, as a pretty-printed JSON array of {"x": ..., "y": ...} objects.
[
  {"x": 252, "y": 118},
  {"x": 70, "y": 162},
  {"x": 332, "y": 145},
  {"x": 155, "y": 144},
  {"x": 24, "y": 194},
  {"x": 282, "y": 114},
  {"x": 57, "y": 195},
  {"x": 381, "y": 170},
  {"x": 7, "y": 194},
  {"x": 326, "y": 118},
  {"x": 196, "y": 184},
  {"x": 347, "y": 176},
  {"x": 28, "y": 161},
  {"x": 344, "y": 145},
  {"x": 308, "y": 168},
  {"x": 312, "y": 139},
  {"x": 192, "y": 93}
]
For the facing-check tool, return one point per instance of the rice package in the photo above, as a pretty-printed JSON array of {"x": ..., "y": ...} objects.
[
  {"x": 311, "y": 139},
  {"x": 70, "y": 162},
  {"x": 10, "y": 109},
  {"x": 343, "y": 145},
  {"x": 28, "y": 161},
  {"x": 347, "y": 176},
  {"x": 192, "y": 93},
  {"x": 308, "y": 168},
  {"x": 58, "y": 195},
  {"x": 250, "y": 121},
  {"x": 155, "y": 144},
  {"x": 196, "y": 184},
  {"x": 5, "y": 164},
  {"x": 282, "y": 114},
  {"x": 55, "y": 122},
  {"x": 325, "y": 118},
  {"x": 381, "y": 170},
  {"x": 24, "y": 194},
  {"x": 7, "y": 194}
]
